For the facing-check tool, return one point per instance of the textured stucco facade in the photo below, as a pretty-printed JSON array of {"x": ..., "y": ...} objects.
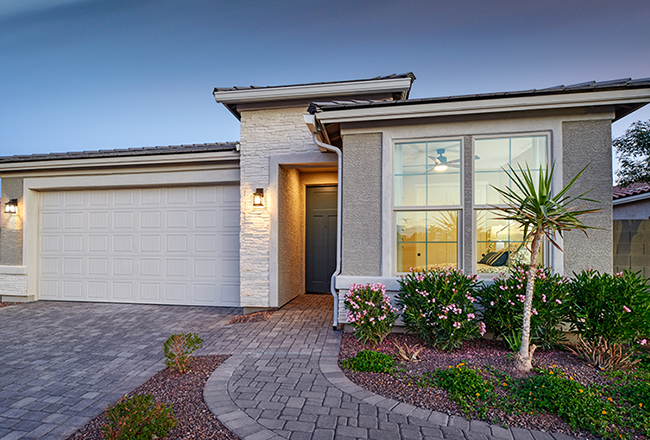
[
  {"x": 264, "y": 133},
  {"x": 589, "y": 143},
  {"x": 362, "y": 202}
]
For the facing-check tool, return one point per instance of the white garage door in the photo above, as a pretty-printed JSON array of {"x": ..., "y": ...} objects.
[{"x": 143, "y": 245}]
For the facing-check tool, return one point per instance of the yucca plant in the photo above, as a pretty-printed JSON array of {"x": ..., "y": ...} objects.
[{"x": 540, "y": 214}]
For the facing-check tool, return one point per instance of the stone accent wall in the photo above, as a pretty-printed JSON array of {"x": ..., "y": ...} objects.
[
  {"x": 13, "y": 285},
  {"x": 263, "y": 133},
  {"x": 632, "y": 246},
  {"x": 11, "y": 229},
  {"x": 589, "y": 142}
]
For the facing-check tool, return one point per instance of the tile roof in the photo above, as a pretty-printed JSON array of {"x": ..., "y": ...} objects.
[
  {"x": 632, "y": 190},
  {"x": 574, "y": 88},
  {"x": 140, "y": 151},
  {"x": 393, "y": 76}
]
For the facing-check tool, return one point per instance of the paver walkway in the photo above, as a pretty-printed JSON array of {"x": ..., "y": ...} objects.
[
  {"x": 283, "y": 381},
  {"x": 61, "y": 364}
]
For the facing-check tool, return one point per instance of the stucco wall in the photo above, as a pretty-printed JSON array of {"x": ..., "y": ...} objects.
[
  {"x": 589, "y": 142},
  {"x": 362, "y": 194},
  {"x": 291, "y": 236},
  {"x": 639, "y": 210},
  {"x": 632, "y": 246},
  {"x": 11, "y": 229},
  {"x": 263, "y": 133}
]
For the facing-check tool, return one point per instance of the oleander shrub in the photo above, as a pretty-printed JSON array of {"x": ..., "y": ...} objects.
[
  {"x": 178, "y": 350},
  {"x": 138, "y": 417},
  {"x": 439, "y": 306},
  {"x": 369, "y": 311},
  {"x": 371, "y": 362},
  {"x": 502, "y": 304},
  {"x": 615, "y": 308}
]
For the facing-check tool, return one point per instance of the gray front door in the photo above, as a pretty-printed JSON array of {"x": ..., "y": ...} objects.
[{"x": 320, "y": 241}]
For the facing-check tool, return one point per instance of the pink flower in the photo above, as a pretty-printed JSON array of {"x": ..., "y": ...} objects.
[
  {"x": 456, "y": 324},
  {"x": 534, "y": 311},
  {"x": 481, "y": 328},
  {"x": 558, "y": 301},
  {"x": 643, "y": 341},
  {"x": 626, "y": 309}
]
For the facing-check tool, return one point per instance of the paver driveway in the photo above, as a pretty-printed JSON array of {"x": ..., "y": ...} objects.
[{"x": 62, "y": 363}]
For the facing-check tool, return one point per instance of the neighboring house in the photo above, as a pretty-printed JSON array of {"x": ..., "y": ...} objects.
[
  {"x": 350, "y": 177},
  {"x": 632, "y": 228}
]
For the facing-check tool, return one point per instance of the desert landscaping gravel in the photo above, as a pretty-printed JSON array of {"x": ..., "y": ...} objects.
[
  {"x": 185, "y": 392},
  {"x": 479, "y": 354}
]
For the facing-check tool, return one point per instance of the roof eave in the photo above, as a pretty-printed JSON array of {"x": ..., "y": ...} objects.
[
  {"x": 636, "y": 98},
  {"x": 631, "y": 199},
  {"x": 350, "y": 88}
]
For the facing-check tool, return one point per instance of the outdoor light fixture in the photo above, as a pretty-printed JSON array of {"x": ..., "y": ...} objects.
[
  {"x": 11, "y": 207},
  {"x": 258, "y": 197}
]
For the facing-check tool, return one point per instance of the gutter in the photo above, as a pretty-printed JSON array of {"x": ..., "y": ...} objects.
[{"x": 339, "y": 208}]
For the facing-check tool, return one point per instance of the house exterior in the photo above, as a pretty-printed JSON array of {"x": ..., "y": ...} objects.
[
  {"x": 632, "y": 228},
  {"x": 351, "y": 178}
]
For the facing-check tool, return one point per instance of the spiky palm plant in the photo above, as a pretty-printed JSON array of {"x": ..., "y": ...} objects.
[{"x": 540, "y": 214}]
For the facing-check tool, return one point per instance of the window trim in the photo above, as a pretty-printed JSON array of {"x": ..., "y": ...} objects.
[{"x": 460, "y": 209}]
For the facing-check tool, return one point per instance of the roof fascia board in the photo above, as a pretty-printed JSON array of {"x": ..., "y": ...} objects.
[
  {"x": 170, "y": 159},
  {"x": 630, "y": 199},
  {"x": 313, "y": 91},
  {"x": 543, "y": 102}
]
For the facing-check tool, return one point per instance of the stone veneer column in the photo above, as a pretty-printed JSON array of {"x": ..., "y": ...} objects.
[
  {"x": 11, "y": 231},
  {"x": 589, "y": 142},
  {"x": 264, "y": 133}
]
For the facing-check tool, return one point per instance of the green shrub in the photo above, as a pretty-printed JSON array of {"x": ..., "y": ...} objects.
[
  {"x": 438, "y": 306},
  {"x": 178, "y": 350},
  {"x": 464, "y": 385},
  {"x": 370, "y": 362},
  {"x": 370, "y": 312},
  {"x": 503, "y": 305},
  {"x": 138, "y": 418},
  {"x": 615, "y": 308},
  {"x": 580, "y": 406}
]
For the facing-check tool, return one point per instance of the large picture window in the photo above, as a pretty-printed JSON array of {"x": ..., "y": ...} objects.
[
  {"x": 427, "y": 201},
  {"x": 497, "y": 240}
]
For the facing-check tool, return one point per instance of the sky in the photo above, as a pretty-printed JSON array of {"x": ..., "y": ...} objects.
[{"x": 95, "y": 74}]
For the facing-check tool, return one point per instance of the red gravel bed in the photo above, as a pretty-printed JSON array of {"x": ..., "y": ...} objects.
[
  {"x": 252, "y": 317},
  {"x": 185, "y": 391},
  {"x": 478, "y": 354},
  {"x": 7, "y": 304}
]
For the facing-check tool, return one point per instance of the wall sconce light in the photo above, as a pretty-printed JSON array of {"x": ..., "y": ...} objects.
[
  {"x": 11, "y": 207},
  {"x": 258, "y": 197}
]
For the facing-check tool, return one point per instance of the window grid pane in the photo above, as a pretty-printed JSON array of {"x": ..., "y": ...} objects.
[{"x": 426, "y": 240}]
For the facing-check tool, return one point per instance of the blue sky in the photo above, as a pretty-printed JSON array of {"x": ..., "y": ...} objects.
[{"x": 93, "y": 74}]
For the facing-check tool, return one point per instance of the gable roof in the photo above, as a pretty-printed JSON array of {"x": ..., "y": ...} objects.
[
  {"x": 627, "y": 84},
  {"x": 631, "y": 193},
  {"x": 140, "y": 151}
]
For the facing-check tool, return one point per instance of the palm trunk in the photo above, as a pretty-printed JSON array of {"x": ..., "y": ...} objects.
[{"x": 525, "y": 359}]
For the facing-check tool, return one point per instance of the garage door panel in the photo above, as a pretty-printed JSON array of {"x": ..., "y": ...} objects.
[{"x": 150, "y": 245}]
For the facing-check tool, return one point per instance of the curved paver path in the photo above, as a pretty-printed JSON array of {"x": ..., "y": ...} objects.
[{"x": 283, "y": 381}]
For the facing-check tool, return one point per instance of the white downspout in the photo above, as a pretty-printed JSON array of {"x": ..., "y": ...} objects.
[{"x": 339, "y": 222}]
